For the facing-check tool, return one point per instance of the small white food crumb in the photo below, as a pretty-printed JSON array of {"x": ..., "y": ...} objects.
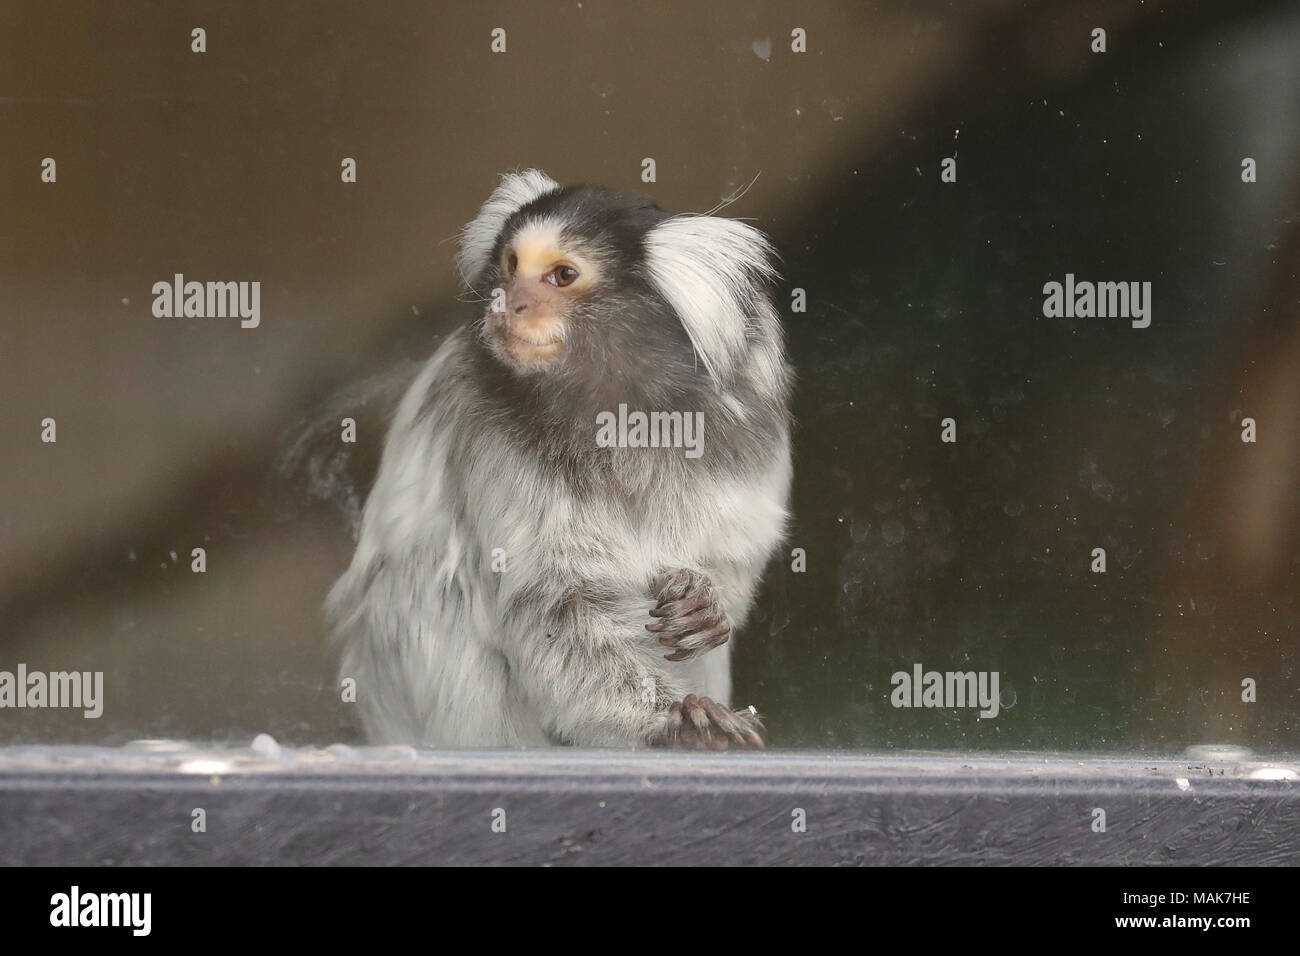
[{"x": 265, "y": 745}]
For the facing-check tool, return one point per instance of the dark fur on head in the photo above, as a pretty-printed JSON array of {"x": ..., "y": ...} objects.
[{"x": 626, "y": 345}]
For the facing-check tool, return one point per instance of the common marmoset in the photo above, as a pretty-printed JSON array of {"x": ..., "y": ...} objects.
[{"x": 522, "y": 565}]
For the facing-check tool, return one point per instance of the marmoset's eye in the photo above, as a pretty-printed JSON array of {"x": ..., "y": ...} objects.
[{"x": 562, "y": 276}]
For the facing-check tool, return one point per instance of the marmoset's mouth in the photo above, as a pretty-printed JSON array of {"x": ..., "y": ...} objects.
[
  {"x": 530, "y": 351},
  {"x": 534, "y": 340}
]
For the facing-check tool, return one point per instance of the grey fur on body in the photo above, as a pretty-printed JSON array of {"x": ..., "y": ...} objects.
[{"x": 447, "y": 651}]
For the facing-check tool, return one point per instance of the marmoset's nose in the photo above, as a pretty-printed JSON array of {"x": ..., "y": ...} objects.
[{"x": 525, "y": 298}]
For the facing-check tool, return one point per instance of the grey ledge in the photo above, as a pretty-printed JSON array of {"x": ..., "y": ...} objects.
[{"x": 272, "y": 804}]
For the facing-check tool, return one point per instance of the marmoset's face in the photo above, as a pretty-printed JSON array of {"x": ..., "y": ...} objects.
[
  {"x": 547, "y": 279},
  {"x": 570, "y": 305}
]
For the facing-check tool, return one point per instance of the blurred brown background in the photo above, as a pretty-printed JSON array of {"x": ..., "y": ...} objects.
[{"x": 225, "y": 166}]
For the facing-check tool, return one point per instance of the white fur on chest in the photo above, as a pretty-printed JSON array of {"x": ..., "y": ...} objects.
[
  {"x": 426, "y": 604},
  {"x": 524, "y": 525}
]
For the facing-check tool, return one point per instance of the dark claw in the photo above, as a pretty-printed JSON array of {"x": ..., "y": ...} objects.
[
  {"x": 690, "y": 620},
  {"x": 701, "y": 723}
]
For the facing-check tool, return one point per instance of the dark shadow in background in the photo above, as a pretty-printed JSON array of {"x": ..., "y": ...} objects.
[{"x": 1074, "y": 434}]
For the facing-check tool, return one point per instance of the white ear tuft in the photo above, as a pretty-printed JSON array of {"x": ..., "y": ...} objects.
[
  {"x": 712, "y": 272},
  {"x": 478, "y": 237}
]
